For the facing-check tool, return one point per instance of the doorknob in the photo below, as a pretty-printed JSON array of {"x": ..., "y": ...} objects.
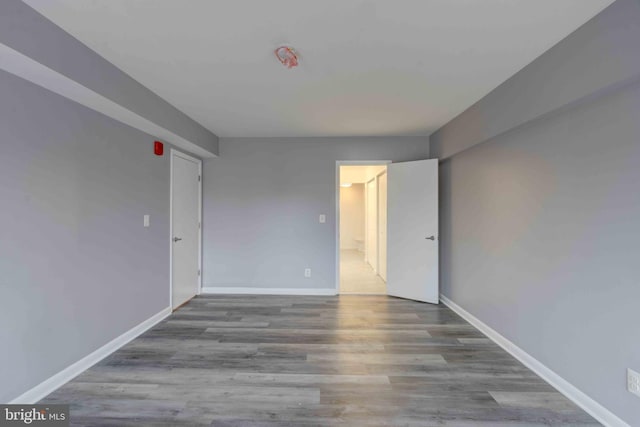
[
  {"x": 431, "y": 238},
  {"x": 177, "y": 239}
]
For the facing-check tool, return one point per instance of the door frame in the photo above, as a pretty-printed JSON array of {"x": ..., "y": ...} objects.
[
  {"x": 337, "y": 203},
  {"x": 384, "y": 172},
  {"x": 367, "y": 208},
  {"x": 176, "y": 153}
]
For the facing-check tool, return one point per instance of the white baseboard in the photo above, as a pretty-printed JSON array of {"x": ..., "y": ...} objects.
[
  {"x": 592, "y": 407},
  {"x": 48, "y": 386},
  {"x": 267, "y": 291}
]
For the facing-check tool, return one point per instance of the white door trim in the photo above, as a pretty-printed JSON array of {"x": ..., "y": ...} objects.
[
  {"x": 337, "y": 204},
  {"x": 367, "y": 209},
  {"x": 176, "y": 153},
  {"x": 378, "y": 223}
]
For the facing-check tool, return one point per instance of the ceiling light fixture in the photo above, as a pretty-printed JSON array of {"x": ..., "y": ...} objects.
[
  {"x": 346, "y": 185},
  {"x": 287, "y": 56}
]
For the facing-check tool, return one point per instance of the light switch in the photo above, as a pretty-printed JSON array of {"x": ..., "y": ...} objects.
[
  {"x": 323, "y": 218},
  {"x": 146, "y": 220}
]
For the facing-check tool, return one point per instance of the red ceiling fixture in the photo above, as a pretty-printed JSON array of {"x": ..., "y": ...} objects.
[{"x": 287, "y": 56}]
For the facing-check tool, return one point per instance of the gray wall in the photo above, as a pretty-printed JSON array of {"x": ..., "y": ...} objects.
[
  {"x": 26, "y": 31},
  {"x": 603, "y": 54},
  {"x": 77, "y": 267},
  {"x": 262, "y": 199},
  {"x": 540, "y": 225}
]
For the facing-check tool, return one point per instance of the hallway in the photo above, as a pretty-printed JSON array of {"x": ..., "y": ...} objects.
[{"x": 357, "y": 277}]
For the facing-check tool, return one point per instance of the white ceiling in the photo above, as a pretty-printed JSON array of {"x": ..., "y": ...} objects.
[
  {"x": 358, "y": 174},
  {"x": 368, "y": 67}
]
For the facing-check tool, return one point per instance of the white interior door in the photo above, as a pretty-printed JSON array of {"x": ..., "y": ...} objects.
[
  {"x": 185, "y": 227},
  {"x": 372, "y": 224},
  {"x": 382, "y": 226},
  {"x": 412, "y": 236}
]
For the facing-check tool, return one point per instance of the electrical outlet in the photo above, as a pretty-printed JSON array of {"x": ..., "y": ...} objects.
[
  {"x": 633, "y": 382},
  {"x": 307, "y": 272},
  {"x": 322, "y": 218},
  {"x": 146, "y": 220}
]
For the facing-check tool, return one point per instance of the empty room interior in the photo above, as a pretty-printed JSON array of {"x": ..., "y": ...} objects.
[{"x": 320, "y": 213}]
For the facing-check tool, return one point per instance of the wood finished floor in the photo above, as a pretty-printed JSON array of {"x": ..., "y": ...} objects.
[{"x": 313, "y": 361}]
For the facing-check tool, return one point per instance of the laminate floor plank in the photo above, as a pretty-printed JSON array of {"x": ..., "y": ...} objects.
[{"x": 365, "y": 360}]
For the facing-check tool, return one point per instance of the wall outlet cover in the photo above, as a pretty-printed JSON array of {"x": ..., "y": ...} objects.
[
  {"x": 323, "y": 218},
  {"x": 146, "y": 220},
  {"x": 307, "y": 272}
]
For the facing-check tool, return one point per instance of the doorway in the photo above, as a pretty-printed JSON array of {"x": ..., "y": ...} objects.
[
  {"x": 185, "y": 213},
  {"x": 387, "y": 229},
  {"x": 362, "y": 228}
]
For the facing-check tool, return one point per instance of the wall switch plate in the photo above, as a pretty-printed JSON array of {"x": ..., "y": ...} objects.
[
  {"x": 146, "y": 220},
  {"x": 633, "y": 382},
  {"x": 307, "y": 272},
  {"x": 323, "y": 218}
]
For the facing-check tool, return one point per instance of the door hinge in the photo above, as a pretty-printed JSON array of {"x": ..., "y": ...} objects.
[
  {"x": 199, "y": 178},
  {"x": 198, "y": 272},
  {"x": 199, "y": 225}
]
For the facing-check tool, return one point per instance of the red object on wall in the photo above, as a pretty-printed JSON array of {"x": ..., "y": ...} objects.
[{"x": 158, "y": 148}]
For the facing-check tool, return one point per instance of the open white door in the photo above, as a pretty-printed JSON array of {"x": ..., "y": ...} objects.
[
  {"x": 185, "y": 228},
  {"x": 412, "y": 230}
]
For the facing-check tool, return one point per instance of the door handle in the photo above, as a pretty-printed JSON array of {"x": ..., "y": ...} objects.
[
  {"x": 430, "y": 238},
  {"x": 177, "y": 239}
]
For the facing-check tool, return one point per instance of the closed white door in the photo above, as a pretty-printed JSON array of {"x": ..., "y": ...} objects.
[
  {"x": 382, "y": 226},
  {"x": 372, "y": 225},
  {"x": 185, "y": 227},
  {"x": 412, "y": 224}
]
